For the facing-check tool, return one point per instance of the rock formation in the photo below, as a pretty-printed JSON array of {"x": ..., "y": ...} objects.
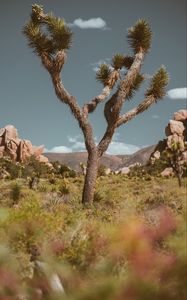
[
  {"x": 176, "y": 132},
  {"x": 18, "y": 150}
]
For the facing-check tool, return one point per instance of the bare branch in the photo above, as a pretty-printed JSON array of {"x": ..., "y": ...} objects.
[
  {"x": 91, "y": 106},
  {"x": 47, "y": 61},
  {"x": 144, "y": 105}
]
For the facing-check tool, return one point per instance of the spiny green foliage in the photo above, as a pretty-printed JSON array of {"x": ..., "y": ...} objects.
[
  {"x": 103, "y": 73},
  {"x": 120, "y": 61},
  {"x": 60, "y": 33},
  {"x": 139, "y": 36},
  {"x": 16, "y": 192},
  {"x": 37, "y": 10},
  {"x": 58, "y": 36},
  {"x": 158, "y": 84},
  {"x": 38, "y": 40},
  {"x": 136, "y": 85},
  {"x": 128, "y": 60}
]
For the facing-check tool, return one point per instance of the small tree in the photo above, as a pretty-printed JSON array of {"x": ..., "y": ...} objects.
[
  {"x": 51, "y": 44},
  {"x": 174, "y": 155}
]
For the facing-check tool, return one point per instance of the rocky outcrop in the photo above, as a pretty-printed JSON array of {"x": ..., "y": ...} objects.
[
  {"x": 176, "y": 133},
  {"x": 18, "y": 150},
  {"x": 167, "y": 172}
]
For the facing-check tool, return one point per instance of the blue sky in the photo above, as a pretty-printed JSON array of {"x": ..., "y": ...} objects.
[{"x": 27, "y": 97}]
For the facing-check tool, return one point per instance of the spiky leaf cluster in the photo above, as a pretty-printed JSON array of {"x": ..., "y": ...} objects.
[
  {"x": 128, "y": 61},
  {"x": 103, "y": 74},
  {"x": 136, "y": 85},
  {"x": 57, "y": 35},
  {"x": 120, "y": 61},
  {"x": 59, "y": 32},
  {"x": 37, "y": 10},
  {"x": 158, "y": 84},
  {"x": 38, "y": 40},
  {"x": 139, "y": 36}
]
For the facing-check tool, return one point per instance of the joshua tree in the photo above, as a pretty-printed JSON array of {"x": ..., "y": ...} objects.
[
  {"x": 50, "y": 38},
  {"x": 174, "y": 155}
]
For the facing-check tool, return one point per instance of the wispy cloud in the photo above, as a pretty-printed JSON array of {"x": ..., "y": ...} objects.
[
  {"x": 77, "y": 144},
  {"x": 95, "y": 65},
  {"x": 155, "y": 117},
  {"x": 116, "y": 148},
  {"x": 93, "y": 23},
  {"x": 59, "y": 149},
  {"x": 178, "y": 93}
]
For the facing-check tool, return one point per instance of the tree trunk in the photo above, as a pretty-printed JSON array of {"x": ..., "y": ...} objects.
[
  {"x": 179, "y": 177},
  {"x": 90, "y": 178}
]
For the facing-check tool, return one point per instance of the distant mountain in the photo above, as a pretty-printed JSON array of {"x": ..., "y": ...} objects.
[
  {"x": 113, "y": 162},
  {"x": 141, "y": 156}
]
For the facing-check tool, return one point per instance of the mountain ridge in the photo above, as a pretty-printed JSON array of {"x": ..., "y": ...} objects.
[{"x": 114, "y": 162}]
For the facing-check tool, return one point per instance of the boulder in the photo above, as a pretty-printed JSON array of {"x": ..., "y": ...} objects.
[
  {"x": 37, "y": 151},
  {"x": 25, "y": 150},
  {"x": 184, "y": 157},
  {"x": 167, "y": 172},
  {"x": 156, "y": 154},
  {"x": 11, "y": 132},
  {"x": 11, "y": 148},
  {"x": 174, "y": 127},
  {"x": 180, "y": 115},
  {"x": 17, "y": 149},
  {"x": 125, "y": 170},
  {"x": 2, "y": 150},
  {"x": 42, "y": 159},
  {"x": 107, "y": 171}
]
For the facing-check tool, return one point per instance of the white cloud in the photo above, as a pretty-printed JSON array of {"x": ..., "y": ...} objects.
[
  {"x": 95, "y": 65},
  {"x": 93, "y": 23},
  {"x": 77, "y": 143},
  {"x": 155, "y": 117},
  {"x": 73, "y": 139},
  {"x": 179, "y": 93},
  {"x": 60, "y": 149},
  {"x": 121, "y": 148}
]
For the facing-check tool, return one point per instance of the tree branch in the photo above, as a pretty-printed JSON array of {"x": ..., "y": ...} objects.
[
  {"x": 91, "y": 106},
  {"x": 114, "y": 104},
  {"x": 144, "y": 105}
]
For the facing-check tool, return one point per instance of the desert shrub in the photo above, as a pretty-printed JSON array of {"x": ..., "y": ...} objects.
[
  {"x": 15, "y": 192},
  {"x": 13, "y": 168},
  {"x": 137, "y": 171},
  {"x": 99, "y": 252},
  {"x": 101, "y": 170},
  {"x": 33, "y": 166},
  {"x": 98, "y": 196},
  {"x": 64, "y": 188},
  {"x": 63, "y": 171},
  {"x": 42, "y": 187},
  {"x": 52, "y": 202}
]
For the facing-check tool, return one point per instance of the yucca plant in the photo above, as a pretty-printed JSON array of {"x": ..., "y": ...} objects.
[{"x": 122, "y": 77}]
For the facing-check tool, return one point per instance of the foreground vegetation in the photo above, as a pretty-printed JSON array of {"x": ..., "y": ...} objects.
[{"x": 129, "y": 245}]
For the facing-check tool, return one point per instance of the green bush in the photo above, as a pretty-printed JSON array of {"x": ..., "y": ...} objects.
[{"x": 15, "y": 192}]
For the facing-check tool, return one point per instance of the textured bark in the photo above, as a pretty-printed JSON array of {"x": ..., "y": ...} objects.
[
  {"x": 91, "y": 177},
  {"x": 144, "y": 105}
]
